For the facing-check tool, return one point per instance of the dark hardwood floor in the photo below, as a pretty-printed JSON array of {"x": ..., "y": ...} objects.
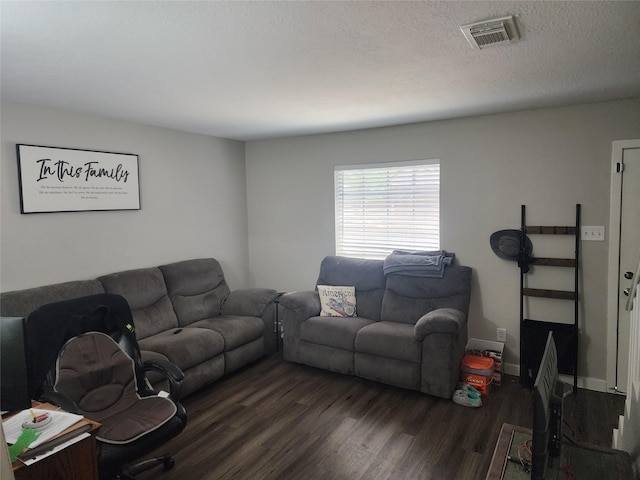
[{"x": 279, "y": 420}]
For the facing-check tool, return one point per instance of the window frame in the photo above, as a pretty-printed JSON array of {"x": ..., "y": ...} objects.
[{"x": 427, "y": 207}]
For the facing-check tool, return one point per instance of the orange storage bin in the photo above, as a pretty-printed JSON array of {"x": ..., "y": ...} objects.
[{"x": 477, "y": 371}]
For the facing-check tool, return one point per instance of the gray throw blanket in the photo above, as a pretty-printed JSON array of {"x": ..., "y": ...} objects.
[{"x": 417, "y": 264}]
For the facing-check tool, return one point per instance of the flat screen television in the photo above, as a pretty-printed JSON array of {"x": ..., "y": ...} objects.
[
  {"x": 14, "y": 392},
  {"x": 547, "y": 414}
]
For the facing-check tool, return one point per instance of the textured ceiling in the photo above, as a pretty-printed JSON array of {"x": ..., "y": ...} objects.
[{"x": 249, "y": 70}]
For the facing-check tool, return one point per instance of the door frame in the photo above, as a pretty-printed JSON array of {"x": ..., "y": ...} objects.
[{"x": 617, "y": 152}]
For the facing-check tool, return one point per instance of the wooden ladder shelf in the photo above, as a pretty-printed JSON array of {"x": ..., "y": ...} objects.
[{"x": 533, "y": 333}]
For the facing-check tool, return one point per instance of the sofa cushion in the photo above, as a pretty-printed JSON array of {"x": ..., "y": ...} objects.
[
  {"x": 365, "y": 275},
  {"x": 338, "y": 332},
  {"x": 390, "y": 340},
  {"x": 146, "y": 293},
  {"x": 408, "y": 298},
  {"x": 197, "y": 288},
  {"x": 186, "y": 347},
  {"x": 236, "y": 330},
  {"x": 250, "y": 302}
]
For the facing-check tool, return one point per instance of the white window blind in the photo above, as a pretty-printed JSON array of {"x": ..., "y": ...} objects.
[{"x": 383, "y": 207}]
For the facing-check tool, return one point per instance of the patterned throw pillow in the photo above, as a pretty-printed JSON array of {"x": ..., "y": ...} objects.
[{"x": 337, "y": 301}]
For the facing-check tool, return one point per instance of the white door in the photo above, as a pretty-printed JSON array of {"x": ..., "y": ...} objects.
[{"x": 624, "y": 248}]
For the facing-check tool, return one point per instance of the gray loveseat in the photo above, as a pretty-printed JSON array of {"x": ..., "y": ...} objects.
[
  {"x": 409, "y": 331},
  {"x": 183, "y": 312}
]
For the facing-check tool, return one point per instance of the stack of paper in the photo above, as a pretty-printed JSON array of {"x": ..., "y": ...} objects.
[{"x": 62, "y": 428}]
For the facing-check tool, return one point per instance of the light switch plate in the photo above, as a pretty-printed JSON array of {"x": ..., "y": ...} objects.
[
  {"x": 592, "y": 233},
  {"x": 501, "y": 335}
]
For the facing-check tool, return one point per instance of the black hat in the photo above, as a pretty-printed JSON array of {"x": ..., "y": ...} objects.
[{"x": 506, "y": 245}]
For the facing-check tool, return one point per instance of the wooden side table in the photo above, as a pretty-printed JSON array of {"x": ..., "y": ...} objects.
[{"x": 76, "y": 462}]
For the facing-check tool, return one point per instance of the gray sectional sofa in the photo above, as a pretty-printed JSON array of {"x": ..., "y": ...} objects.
[
  {"x": 409, "y": 331},
  {"x": 183, "y": 312}
]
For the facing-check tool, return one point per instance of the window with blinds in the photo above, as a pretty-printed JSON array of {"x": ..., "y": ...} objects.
[{"x": 384, "y": 207}]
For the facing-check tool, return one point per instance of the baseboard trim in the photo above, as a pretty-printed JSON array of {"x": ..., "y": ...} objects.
[{"x": 595, "y": 384}]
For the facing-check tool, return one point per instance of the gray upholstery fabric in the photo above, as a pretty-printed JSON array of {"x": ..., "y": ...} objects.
[
  {"x": 199, "y": 293},
  {"x": 407, "y": 298},
  {"x": 442, "y": 320},
  {"x": 441, "y": 374},
  {"x": 327, "y": 358},
  {"x": 248, "y": 302},
  {"x": 338, "y": 332},
  {"x": 186, "y": 348},
  {"x": 202, "y": 375},
  {"x": 197, "y": 288},
  {"x": 234, "y": 329},
  {"x": 243, "y": 355},
  {"x": 147, "y": 295},
  {"x": 196, "y": 307},
  {"x": 366, "y": 275},
  {"x": 173, "y": 298},
  {"x": 301, "y": 305},
  {"x": 21, "y": 303},
  {"x": 412, "y": 330},
  {"x": 295, "y": 308},
  {"x": 389, "y": 340},
  {"x": 388, "y": 370}
]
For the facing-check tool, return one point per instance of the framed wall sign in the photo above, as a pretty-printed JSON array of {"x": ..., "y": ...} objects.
[{"x": 56, "y": 179}]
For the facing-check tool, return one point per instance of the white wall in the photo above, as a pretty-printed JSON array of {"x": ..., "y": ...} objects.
[
  {"x": 195, "y": 202},
  {"x": 547, "y": 159},
  {"x": 193, "y": 198}
]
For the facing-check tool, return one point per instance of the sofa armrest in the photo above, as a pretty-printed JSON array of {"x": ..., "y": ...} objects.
[
  {"x": 441, "y": 320},
  {"x": 249, "y": 301},
  {"x": 295, "y": 309},
  {"x": 301, "y": 305}
]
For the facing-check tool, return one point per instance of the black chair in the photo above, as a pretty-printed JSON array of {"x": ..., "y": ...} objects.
[{"x": 82, "y": 355}]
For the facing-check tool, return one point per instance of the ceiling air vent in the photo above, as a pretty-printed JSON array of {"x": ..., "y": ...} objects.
[{"x": 491, "y": 32}]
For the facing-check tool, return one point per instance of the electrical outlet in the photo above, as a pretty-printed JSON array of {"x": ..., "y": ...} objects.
[
  {"x": 592, "y": 233},
  {"x": 501, "y": 335}
]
